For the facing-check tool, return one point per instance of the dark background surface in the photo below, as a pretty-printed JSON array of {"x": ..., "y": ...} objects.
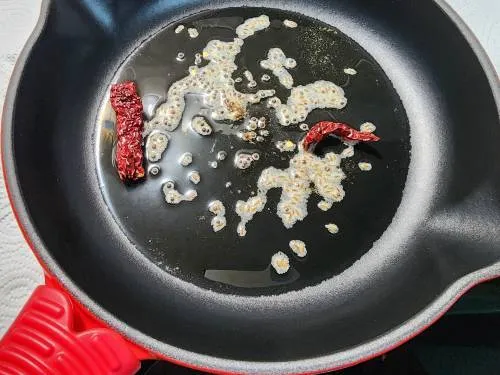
[{"x": 465, "y": 341}]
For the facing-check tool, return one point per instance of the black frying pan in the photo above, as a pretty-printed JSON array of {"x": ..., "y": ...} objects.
[{"x": 416, "y": 232}]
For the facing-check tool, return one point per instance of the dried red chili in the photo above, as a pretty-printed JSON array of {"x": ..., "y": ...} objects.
[
  {"x": 323, "y": 129},
  {"x": 129, "y": 126}
]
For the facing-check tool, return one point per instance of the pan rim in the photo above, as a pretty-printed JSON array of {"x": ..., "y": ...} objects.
[{"x": 339, "y": 360}]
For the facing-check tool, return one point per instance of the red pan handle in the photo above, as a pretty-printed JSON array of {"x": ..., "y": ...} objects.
[{"x": 44, "y": 339}]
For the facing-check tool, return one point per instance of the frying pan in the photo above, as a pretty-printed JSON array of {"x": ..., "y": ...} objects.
[{"x": 129, "y": 278}]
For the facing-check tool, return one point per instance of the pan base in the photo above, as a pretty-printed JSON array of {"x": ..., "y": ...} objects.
[{"x": 179, "y": 239}]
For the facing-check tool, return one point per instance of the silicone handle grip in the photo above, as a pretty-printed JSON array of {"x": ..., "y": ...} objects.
[{"x": 43, "y": 341}]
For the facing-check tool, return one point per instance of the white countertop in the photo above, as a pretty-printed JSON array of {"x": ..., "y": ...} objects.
[{"x": 19, "y": 271}]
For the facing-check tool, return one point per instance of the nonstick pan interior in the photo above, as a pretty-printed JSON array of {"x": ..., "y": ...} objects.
[
  {"x": 428, "y": 231},
  {"x": 180, "y": 239}
]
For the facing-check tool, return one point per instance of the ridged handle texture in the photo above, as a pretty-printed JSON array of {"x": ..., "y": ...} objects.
[{"x": 43, "y": 341}]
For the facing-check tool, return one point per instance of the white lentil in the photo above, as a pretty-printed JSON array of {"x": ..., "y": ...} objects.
[
  {"x": 221, "y": 155},
  {"x": 350, "y": 71},
  {"x": 365, "y": 166},
  {"x": 289, "y": 23},
  {"x": 241, "y": 230},
  {"x": 298, "y": 247},
  {"x": 286, "y": 146},
  {"x": 367, "y": 127},
  {"x": 252, "y": 124},
  {"x": 248, "y": 75},
  {"x": 325, "y": 205},
  {"x": 273, "y": 102},
  {"x": 194, "y": 177},
  {"x": 218, "y": 223},
  {"x": 186, "y": 159},
  {"x": 197, "y": 59},
  {"x": 280, "y": 263},
  {"x": 156, "y": 144},
  {"x": 217, "y": 208},
  {"x": 154, "y": 170},
  {"x": 201, "y": 126},
  {"x": 243, "y": 160},
  {"x": 180, "y": 56},
  {"x": 193, "y": 33},
  {"x": 261, "y": 123},
  {"x": 347, "y": 152},
  {"x": 332, "y": 228}
]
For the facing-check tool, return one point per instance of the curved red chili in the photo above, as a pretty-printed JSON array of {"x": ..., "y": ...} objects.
[
  {"x": 323, "y": 129},
  {"x": 129, "y": 125}
]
